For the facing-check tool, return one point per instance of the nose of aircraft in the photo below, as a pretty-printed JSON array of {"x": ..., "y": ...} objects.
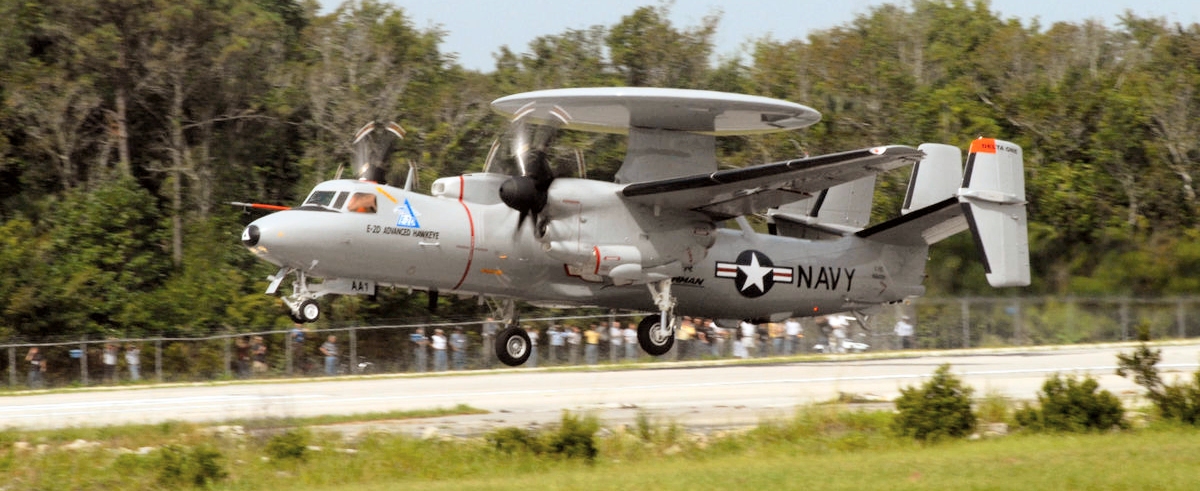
[{"x": 250, "y": 236}]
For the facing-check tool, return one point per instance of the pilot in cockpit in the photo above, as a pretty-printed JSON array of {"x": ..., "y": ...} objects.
[{"x": 361, "y": 203}]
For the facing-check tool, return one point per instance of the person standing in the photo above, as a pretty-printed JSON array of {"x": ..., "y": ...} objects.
[
  {"x": 330, "y": 351},
  {"x": 616, "y": 339},
  {"x": 792, "y": 332},
  {"x": 533, "y": 346},
  {"x": 904, "y": 330},
  {"x": 574, "y": 340},
  {"x": 719, "y": 338},
  {"x": 438, "y": 343},
  {"x": 458, "y": 349},
  {"x": 748, "y": 333},
  {"x": 242, "y": 356},
  {"x": 558, "y": 342},
  {"x": 296, "y": 336},
  {"x": 631, "y": 342},
  {"x": 37, "y": 367},
  {"x": 839, "y": 324},
  {"x": 258, "y": 355},
  {"x": 592, "y": 345},
  {"x": 133, "y": 359},
  {"x": 683, "y": 339},
  {"x": 110, "y": 362},
  {"x": 775, "y": 333},
  {"x": 419, "y": 342}
]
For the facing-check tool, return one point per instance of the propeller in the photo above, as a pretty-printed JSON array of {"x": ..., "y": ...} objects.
[{"x": 528, "y": 191}]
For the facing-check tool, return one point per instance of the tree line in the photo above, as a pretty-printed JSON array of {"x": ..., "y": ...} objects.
[{"x": 126, "y": 125}]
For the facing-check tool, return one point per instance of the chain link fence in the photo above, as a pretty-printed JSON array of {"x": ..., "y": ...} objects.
[{"x": 939, "y": 324}]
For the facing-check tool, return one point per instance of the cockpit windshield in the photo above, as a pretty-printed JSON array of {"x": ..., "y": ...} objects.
[
  {"x": 320, "y": 198},
  {"x": 334, "y": 200}
]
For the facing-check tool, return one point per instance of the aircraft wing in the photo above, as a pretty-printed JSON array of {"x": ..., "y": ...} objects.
[{"x": 730, "y": 193}]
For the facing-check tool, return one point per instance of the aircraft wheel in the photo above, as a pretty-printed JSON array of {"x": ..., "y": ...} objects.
[
  {"x": 309, "y": 311},
  {"x": 655, "y": 338},
  {"x": 513, "y": 346}
]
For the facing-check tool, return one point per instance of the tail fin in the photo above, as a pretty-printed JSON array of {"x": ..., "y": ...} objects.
[
  {"x": 935, "y": 178},
  {"x": 834, "y": 213},
  {"x": 991, "y": 203},
  {"x": 993, "y": 200}
]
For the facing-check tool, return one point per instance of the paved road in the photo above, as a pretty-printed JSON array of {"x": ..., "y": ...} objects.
[{"x": 699, "y": 395}]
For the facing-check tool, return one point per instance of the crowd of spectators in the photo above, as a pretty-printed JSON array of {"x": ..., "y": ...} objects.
[{"x": 458, "y": 348}]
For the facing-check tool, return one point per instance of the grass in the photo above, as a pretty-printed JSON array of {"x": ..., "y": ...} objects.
[{"x": 826, "y": 447}]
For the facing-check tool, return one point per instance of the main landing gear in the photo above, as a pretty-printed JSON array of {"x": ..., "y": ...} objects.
[
  {"x": 656, "y": 333},
  {"x": 512, "y": 344}
]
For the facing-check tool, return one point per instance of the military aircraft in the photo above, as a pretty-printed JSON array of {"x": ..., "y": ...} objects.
[{"x": 652, "y": 240}]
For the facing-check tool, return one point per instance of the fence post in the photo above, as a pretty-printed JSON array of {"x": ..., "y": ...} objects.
[
  {"x": 1124, "y": 319},
  {"x": 12, "y": 366},
  {"x": 227, "y": 356},
  {"x": 1019, "y": 323},
  {"x": 353, "y": 351},
  {"x": 158, "y": 359},
  {"x": 287, "y": 350},
  {"x": 966, "y": 322},
  {"x": 1180, "y": 318},
  {"x": 83, "y": 356}
]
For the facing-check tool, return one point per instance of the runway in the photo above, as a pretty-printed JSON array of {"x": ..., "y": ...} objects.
[{"x": 690, "y": 394}]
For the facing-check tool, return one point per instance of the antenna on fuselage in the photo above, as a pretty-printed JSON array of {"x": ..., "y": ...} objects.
[{"x": 411, "y": 181}]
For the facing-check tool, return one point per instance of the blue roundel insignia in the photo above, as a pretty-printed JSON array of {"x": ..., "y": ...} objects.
[{"x": 753, "y": 273}]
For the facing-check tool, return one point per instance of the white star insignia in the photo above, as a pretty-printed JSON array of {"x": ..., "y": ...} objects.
[{"x": 755, "y": 274}]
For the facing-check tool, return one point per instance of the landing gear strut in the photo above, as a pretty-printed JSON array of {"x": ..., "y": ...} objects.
[
  {"x": 656, "y": 333},
  {"x": 302, "y": 303}
]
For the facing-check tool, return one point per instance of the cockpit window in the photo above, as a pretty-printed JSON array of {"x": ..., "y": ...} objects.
[
  {"x": 361, "y": 203},
  {"x": 320, "y": 198},
  {"x": 341, "y": 199}
]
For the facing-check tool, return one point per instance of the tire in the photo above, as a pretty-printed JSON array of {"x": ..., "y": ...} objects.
[
  {"x": 654, "y": 339},
  {"x": 513, "y": 346},
  {"x": 309, "y": 311}
]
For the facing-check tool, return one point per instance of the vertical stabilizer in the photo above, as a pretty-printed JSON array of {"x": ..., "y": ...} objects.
[
  {"x": 993, "y": 200},
  {"x": 832, "y": 213},
  {"x": 935, "y": 178}
]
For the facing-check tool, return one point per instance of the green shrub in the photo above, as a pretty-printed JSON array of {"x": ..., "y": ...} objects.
[
  {"x": 289, "y": 445},
  {"x": 1073, "y": 405},
  {"x": 574, "y": 438},
  {"x": 940, "y": 408},
  {"x": 1180, "y": 401},
  {"x": 196, "y": 466}
]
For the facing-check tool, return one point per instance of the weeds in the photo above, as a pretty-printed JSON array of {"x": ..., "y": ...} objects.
[{"x": 1178, "y": 401}]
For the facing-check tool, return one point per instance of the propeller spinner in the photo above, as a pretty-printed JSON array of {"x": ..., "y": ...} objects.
[{"x": 528, "y": 191}]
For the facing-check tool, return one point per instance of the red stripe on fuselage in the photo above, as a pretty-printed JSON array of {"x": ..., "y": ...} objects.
[{"x": 462, "y": 188}]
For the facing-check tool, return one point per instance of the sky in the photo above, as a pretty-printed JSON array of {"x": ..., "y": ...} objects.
[{"x": 475, "y": 29}]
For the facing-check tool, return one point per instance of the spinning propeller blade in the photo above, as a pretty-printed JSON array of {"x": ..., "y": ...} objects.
[{"x": 527, "y": 192}]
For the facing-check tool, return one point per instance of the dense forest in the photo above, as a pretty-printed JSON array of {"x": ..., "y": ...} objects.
[{"x": 126, "y": 126}]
